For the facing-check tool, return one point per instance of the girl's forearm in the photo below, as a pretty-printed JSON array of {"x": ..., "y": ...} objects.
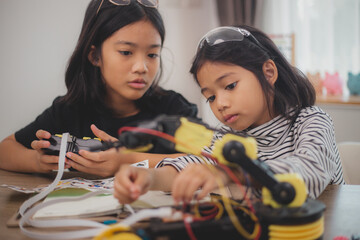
[
  {"x": 15, "y": 157},
  {"x": 163, "y": 178}
]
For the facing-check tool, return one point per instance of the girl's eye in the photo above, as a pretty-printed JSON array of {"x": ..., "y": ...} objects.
[
  {"x": 210, "y": 99},
  {"x": 231, "y": 86},
  {"x": 125, "y": 53},
  {"x": 153, "y": 55}
]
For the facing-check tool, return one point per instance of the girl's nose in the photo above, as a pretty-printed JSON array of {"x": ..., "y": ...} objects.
[
  {"x": 222, "y": 103},
  {"x": 140, "y": 65}
]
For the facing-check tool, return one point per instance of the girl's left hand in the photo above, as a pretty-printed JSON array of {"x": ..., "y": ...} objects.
[
  {"x": 103, "y": 163},
  {"x": 192, "y": 178},
  {"x": 131, "y": 182}
]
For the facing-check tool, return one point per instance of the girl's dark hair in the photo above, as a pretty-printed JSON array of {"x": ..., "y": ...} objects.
[
  {"x": 83, "y": 80},
  {"x": 292, "y": 89}
]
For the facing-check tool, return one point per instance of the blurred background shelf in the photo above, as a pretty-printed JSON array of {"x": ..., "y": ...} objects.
[{"x": 338, "y": 99}]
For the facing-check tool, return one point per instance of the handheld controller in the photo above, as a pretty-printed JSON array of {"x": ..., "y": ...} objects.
[{"x": 74, "y": 144}]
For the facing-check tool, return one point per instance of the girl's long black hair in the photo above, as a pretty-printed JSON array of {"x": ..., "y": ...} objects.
[
  {"x": 83, "y": 80},
  {"x": 291, "y": 91}
]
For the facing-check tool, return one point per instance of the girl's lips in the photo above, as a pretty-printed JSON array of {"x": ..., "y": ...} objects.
[
  {"x": 230, "y": 118},
  {"x": 137, "y": 84}
]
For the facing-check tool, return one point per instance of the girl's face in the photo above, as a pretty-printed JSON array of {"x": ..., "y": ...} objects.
[
  {"x": 234, "y": 94},
  {"x": 130, "y": 59}
]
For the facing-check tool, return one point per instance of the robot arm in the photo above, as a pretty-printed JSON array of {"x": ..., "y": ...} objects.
[
  {"x": 190, "y": 136},
  {"x": 279, "y": 192}
]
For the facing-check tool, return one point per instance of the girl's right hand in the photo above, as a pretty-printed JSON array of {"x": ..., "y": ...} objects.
[
  {"x": 45, "y": 162},
  {"x": 196, "y": 177},
  {"x": 131, "y": 182}
]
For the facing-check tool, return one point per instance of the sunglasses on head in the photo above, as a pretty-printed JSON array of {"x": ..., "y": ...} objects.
[
  {"x": 227, "y": 34},
  {"x": 146, "y": 3}
]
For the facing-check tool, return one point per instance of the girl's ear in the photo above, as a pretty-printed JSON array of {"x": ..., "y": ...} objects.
[
  {"x": 93, "y": 57},
  {"x": 270, "y": 71}
]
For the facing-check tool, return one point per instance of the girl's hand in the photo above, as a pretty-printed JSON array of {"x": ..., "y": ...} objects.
[
  {"x": 101, "y": 134},
  {"x": 103, "y": 163},
  {"x": 192, "y": 178},
  {"x": 131, "y": 182},
  {"x": 45, "y": 162}
]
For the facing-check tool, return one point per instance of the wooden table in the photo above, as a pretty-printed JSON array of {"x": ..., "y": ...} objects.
[
  {"x": 342, "y": 215},
  {"x": 10, "y": 200}
]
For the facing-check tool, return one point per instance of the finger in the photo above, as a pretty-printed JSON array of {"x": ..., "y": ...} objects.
[
  {"x": 101, "y": 156},
  {"x": 206, "y": 189},
  {"x": 189, "y": 181},
  {"x": 52, "y": 167},
  {"x": 84, "y": 169},
  {"x": 46, "y": 167},
  {"x": 124, "y": 185},
  {"x": 49, "y": 159},
  {"x": 179, "y": 187},
  {"x": 37, "y": 145},
  {"x": 126, "y": 176},
  {"x": 184, "y": 177},
  {"x": 191, "y": 188},
  {"x": 104, "y": 168},
  {"x": 42, "y": 134},
  {"x": 94, "y": 156},
  {"x": 142, "y": 181},
  {"x": 123, "y": 197},
  {"x": 101, "y": 134},
  {"x": 80, "y": 160},
  {"x": 121, "y": 191}
]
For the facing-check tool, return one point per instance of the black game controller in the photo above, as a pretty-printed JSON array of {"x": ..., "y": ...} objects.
[{"x": 74, "y": 144}]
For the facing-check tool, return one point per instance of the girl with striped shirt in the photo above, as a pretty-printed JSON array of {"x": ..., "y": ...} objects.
[{"x": 252, "y": 89}]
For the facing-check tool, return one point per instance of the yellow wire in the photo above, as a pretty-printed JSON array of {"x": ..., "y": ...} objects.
[
  {"x": 221, "y": 211},
  {"x": 196, "y": 210},
  {"x": 233, "y": 202}
]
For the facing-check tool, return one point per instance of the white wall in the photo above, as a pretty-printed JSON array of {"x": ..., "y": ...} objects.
[
  {"x": 186, "y": 21},
  {"x": 38, "y": 37}
]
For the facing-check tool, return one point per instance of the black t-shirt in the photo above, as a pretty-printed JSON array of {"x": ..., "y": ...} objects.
[{"x": 76, "y": 120}]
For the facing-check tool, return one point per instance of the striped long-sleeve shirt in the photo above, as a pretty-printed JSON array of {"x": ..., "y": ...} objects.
[{"x": 307, "y": 147}]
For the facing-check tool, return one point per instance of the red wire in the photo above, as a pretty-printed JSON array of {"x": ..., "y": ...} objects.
[
  {"x": 215, "y": 208},
  {"x": 204, "y": 218},
  {"x": 189, "y": 230},
  {"x": 211, "y": 213},
  {"x": 148, "y": 131}
]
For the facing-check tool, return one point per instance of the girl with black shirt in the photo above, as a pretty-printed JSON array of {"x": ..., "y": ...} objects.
[{"x": 112, "y": 81}]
